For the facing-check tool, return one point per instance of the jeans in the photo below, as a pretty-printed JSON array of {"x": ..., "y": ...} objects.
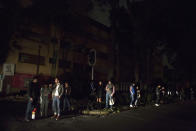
[
  {"x": 157, "y": 99},
  {"x": 66, "y": 103},
  {"x": 108, "y": 97},
  {"x": 44, "y": 106},
  {"x": 132, "y": 98},
  {"x": 56, "y": 105},
  {"x": 29, "y": 109},
  {"x": 137, "y": 101}
]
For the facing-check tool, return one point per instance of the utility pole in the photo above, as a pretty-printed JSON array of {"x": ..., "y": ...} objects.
[
  {"x": 92, "y": 61},
  {"x": 38, "y": 60}
]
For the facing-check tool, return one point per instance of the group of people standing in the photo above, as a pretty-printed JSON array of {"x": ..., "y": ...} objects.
[
  {"x": 134, "y": 91},
  {"x": 99, "y": 90},
  {"x": 134, "y": 95},
  {"x": 36, "y": 96},
  {"x": 60, "y": 94}
]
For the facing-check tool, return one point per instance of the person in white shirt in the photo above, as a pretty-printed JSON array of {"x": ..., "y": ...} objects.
[{"x": 56, "y": 95}]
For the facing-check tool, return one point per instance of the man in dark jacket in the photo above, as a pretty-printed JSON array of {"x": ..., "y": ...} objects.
[
  {"x": 66, "y": 97},
  {"x": 33, "y": 97}
]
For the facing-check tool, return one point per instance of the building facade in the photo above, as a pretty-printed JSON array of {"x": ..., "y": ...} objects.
[{"x": 50, "y": 49}]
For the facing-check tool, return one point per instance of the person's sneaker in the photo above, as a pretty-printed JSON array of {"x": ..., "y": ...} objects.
[
  {"x": 57, "y": 118},
  {"x": 27, "y": 120},
  {"x": 156, "y": 104},
  {"x": 105, "y": 109},
  {"x": 54, "y": 116},
  {"x": 131, "y": 105}
]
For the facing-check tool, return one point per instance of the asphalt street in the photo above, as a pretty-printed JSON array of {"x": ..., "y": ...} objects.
[{"x": 170, "y": 117}]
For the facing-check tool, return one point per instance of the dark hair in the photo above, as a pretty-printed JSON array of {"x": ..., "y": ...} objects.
[
  {"x": 57, "y": 78},
  {"x": 35, "y": 77}
]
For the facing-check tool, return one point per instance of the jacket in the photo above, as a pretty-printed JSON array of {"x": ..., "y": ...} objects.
[
  {"x": 45, "y": 91},
  {"x": 60, "y": 90},
  {"x": 33, "y": 90}
]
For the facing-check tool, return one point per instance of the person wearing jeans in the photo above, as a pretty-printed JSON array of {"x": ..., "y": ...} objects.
[
  {"x": 56, "y": 95},
  {"x": 138, "y": 96},
  {"x": 28, "y": 110},
  {"x": 132, "y": 94},
  {"x": 108, "y": 98},
  {"x": 110, "y": 90},
  {"x": 157, "y": 95}
]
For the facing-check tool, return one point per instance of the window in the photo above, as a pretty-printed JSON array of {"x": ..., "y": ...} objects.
[{"x": 31, "y": 59}]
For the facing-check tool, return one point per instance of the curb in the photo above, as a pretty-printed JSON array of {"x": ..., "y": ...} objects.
[{"x": 95, "y": 112}]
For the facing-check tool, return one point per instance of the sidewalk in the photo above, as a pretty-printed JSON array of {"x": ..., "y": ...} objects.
[
  {"x": 170, "y": 117},
  {"x": 16, "y": 98}
]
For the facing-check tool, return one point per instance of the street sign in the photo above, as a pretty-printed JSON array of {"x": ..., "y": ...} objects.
[{"x": 8, "y": 69}]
